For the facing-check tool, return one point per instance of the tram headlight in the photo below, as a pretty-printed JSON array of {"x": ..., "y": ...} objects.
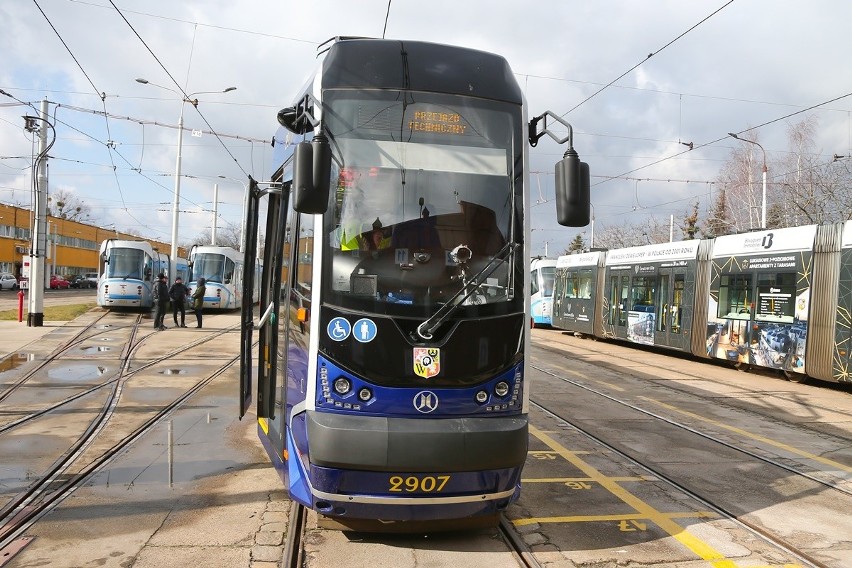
[
  {"x": 364, "y": 394},
  {"x": 481, "y": 397},
  {"x": 342, "y": 385},
  {"x": 501, "y": 389}
]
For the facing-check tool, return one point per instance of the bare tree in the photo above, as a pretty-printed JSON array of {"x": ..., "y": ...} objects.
[
  {"x": 741, "y": 186},
  {"x": 803, "y": 187},
  {"x": 65, "y": 205},
  {"x": 808, "y": 189},
  {"x": 648, "y": 231},
  {"x": 227, "y": 235}
]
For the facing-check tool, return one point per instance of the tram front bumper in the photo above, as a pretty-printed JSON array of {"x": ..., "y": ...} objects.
[{"x": 371, "y": 443}]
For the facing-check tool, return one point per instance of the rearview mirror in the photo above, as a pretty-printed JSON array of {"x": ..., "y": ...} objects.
[
  {"x": 572, "y": 191},
  {"x": 312, "y": 175}
]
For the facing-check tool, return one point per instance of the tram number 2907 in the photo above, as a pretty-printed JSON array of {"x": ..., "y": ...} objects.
[{"x": 418, "y": 484}]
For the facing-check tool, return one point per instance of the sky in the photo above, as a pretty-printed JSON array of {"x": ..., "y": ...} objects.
[{"x": 637, "y": 80}]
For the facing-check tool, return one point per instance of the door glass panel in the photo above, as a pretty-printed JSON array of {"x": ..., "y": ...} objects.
[
  {"x": 614, "y": 295},
  {"x": 663, "y": 305},
  {"x": 677, "y": 302}
]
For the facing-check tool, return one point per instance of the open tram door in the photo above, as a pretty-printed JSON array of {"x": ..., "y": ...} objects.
[{"x": 268, "y": 301}]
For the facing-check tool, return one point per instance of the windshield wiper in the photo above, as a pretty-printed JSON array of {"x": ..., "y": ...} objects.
[{"x": 425, "y": 329}]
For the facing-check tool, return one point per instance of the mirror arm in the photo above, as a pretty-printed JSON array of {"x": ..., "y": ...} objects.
[{"x": 535, "y": 135}]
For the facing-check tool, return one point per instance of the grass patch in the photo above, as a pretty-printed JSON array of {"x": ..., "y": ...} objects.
[{"x": 52, "y": 313}]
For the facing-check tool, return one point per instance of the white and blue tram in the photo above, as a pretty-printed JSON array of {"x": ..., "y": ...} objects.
[
  {"x": 392, "y": 359},
  {"x": 127, "y": 271},
  {"x": 774, "y": 299},
  {"x": 223, "y": 271},
  {"x": 542, "y": 277}
]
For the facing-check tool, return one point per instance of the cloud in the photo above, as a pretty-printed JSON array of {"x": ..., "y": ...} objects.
[{"x": 749, "y": 64}]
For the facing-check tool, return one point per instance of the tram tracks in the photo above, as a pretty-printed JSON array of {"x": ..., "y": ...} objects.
[
  {"x": 665, "y": 468},
  {"x": 761, "y": 532},
  {"x": 64, "y": 347},
  {"x": 122, "y": 375},
  {"x": 69, "y": 470}
]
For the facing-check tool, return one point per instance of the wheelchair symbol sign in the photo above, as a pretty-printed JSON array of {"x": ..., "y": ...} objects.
[{"x": 339, "y": 329}]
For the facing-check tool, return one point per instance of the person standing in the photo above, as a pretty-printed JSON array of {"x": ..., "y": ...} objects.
[
  {"x": 160, "y": 294},
  {"x": 178, "y": 294},
  {"x": 198, "y": 299}
]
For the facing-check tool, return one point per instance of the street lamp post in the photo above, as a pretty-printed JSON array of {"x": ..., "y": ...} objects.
[
  {"x": 592, "y": 241},
  {"x": 763, "y": 197},
  {"x": 245, "y": 206},
  {"x": 176, "y": 202}
]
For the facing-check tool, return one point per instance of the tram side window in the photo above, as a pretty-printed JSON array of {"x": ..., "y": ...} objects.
[
  {"x": 570, "y": 284},
  {"x": 776, "y": 297},
  {"x": 642, "y": 296},
  {"x": 624, "y": 307},
  {"x": 584, "y": 284},
  {"x": 735, "y": 297},
  {"x": 533, "y": 282},
  {"x": 229, "y": 270},
  {"x": 300, "y": 294}
]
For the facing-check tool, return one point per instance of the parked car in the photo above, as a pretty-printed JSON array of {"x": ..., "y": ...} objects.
[
  {"x": 58, "y": 283},
  {"x": 92, "y": 277},
  {"x": 8, "y": 281},
  {"x": 80, "y": 281}
]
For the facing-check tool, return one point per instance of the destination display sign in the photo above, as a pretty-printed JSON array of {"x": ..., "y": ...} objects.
[{"x": 437, "y": 122}]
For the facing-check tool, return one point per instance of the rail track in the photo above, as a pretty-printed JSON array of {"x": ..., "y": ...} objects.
[
  {"x": 813, "y": 473},
  {"x": 84, "y": 456}
]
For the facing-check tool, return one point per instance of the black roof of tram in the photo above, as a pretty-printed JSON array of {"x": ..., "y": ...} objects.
[{"x": 419, "y": 66}]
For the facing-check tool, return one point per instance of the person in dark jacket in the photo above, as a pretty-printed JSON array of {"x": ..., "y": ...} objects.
[
  {"x": 160, "y": 293},
  {"x": 178, "y": 294},
  {"x": 198, "y": 299}
]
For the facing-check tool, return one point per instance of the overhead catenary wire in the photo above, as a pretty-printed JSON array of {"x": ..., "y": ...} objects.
[
  {"x": 182, "y": 91},
  {"x": 590, "y": 97}
]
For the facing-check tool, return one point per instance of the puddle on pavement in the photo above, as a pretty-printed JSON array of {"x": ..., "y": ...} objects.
[
  {"x": 76, "y": 372},
  {"x": 173, "y": 372},
  {"x": 14, "y": 361},
  {"x": 95, "y": 349}
]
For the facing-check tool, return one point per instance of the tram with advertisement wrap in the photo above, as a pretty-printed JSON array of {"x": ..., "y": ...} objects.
[
  {"x": 394, "y": 310},
  {"x": 775, "y": 299},
  {"x": 127, "y": 271}
]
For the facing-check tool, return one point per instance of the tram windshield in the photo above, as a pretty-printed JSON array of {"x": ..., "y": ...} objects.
[
  {"x": 425, "y": 200},
  {"x": 212, "y": 267},
  {"x": 129, "y": 263}
]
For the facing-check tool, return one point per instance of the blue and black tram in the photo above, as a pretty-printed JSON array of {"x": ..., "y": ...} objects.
[
  {"x": 392, "y": 356},
  {"x": 127, "y": 271}
]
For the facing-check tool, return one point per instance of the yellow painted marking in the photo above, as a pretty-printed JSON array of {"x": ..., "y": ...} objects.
[
  {"x": 536, "y": 453},
  {"x": 603, "y": 518},
  {"x": 583, "y": 479},
  {"x": 645, "y": 511},
  {"x": 264, "y": 425},
  {"x": 612, "y": 386},
  {"x": 771, "y": 442}
]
